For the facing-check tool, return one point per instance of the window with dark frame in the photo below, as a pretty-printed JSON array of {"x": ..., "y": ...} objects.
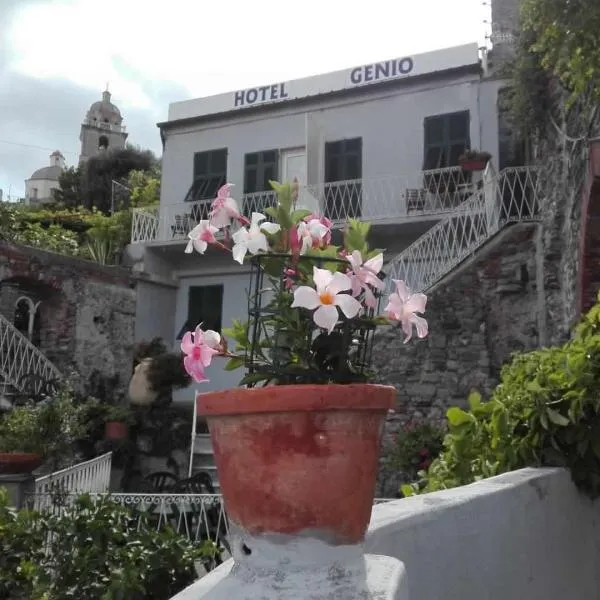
[
  {"x": 205, "y": 305},
  {"x": 343, "y": 162},
  {"x": 447, "y": 136},
  {"x": 259, "y": 169},
  {"x": 210, "y": 173}
]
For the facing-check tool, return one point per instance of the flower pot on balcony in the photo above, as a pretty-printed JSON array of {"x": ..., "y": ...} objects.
[
  {"x": 116, "y": 430},
  {"x": 473, "y": 165},
  {"x": 298, "y": 459},
  {"x": 19, "y": 462}
]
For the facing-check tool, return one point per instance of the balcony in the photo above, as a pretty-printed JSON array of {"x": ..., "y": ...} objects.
[
  {"x": 379, "y": 200},
  {"x": 103, "y": 125}
]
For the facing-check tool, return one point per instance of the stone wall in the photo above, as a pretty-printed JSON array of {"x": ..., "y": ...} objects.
[
  {"x": 478, "y": 316},
  {"x": 86, "y": 311}
]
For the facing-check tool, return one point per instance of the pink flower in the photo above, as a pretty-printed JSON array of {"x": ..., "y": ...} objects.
[
  {"x": 199, "y": 348},
  {"x": 403, "y": 307},
  {"x": 224, "y": 208},
  {"x": 289, "y": 276},
  {"x": 325, "y": 239},
  {"x": 202, "y": 235},
  {"x": 326, "y": 299},
  {"x": 364, "y": 275}
]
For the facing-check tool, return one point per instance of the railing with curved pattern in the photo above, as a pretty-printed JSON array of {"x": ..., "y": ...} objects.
[
  {"x": 144, "y": 224},
  {"x": 509, "y": 196},
  {"x": 380, "y": 199},
  {"x": 20, "y": 359}
]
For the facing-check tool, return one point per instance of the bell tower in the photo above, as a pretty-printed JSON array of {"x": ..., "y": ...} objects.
[{"x": 102, "y": 129}]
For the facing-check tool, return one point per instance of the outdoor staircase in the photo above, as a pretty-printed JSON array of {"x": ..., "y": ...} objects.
[
  {"x": 22, "y": 365},
  {"x": 510, "y": 196}
]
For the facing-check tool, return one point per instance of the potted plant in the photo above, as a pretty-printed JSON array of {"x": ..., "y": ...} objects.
[
  {"x": 117, "y": 421},
  {"x": 474, "y": 160},
  {"x": 22, "y": 447},
  {"x": 297, "y": 446},
  {"x": 156, "y": 373}
]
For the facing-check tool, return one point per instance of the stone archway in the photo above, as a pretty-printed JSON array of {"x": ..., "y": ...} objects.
[{"x": 589, "y": 254}]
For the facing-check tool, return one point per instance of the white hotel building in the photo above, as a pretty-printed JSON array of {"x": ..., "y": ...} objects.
[{"x": 379, "y": 142}]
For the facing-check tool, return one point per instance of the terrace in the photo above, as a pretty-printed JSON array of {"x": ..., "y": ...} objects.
[{"x": 380, "y": 200}]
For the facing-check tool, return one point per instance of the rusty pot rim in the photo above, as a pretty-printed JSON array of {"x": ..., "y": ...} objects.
[{"x": 297, "y": 398}]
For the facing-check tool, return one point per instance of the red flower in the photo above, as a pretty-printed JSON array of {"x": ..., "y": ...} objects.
[{"x": 424, "y": 452}]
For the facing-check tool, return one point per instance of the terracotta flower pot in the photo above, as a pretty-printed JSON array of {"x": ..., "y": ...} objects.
[
  {"x": 473, "y": 164},
  {"x": 19, "y": 462},
  {"x": 115, "y": 430},
  {"x": 299, "y": 458}
]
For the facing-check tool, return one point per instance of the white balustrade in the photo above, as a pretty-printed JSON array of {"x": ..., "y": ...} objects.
[
  {"x": 91, "y": 476},
  {"x": 509, "y": 196},
  {"x": 20, "y": 360}
]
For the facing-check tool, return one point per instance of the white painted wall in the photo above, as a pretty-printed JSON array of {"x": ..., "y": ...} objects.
[
  {"x": 390, "y": 124},
  {"x": 235, "y": 287},
  {"x": 44, "y": 189},
  {"x": 526, "y": 535}
]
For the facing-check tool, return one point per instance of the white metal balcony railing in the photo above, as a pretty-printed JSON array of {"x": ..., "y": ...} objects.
[
  {"x": 91, "y": 476},
  {"x": 509, "y": 196},
  {"x": 377, "y": 199},
  {"x": 21, "y": 360}
]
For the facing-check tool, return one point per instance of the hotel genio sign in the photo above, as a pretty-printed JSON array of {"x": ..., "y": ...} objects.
[{"x": 358, "y": 76}]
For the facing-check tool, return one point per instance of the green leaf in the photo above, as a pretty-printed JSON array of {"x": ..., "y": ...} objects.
[
  {"x": 272, "y": 212},
  {"x": 252, "y": 378},
  {"x": 234, "y": 363},
  {"x": 284, "y": 218},
  {"x": 300, "y": 215},
  {"x": 474, "y": 400},
  {"x": 407, "y": 490},
  {"x": 556, "y": 418},
  {"x": 456, "y": 416}
]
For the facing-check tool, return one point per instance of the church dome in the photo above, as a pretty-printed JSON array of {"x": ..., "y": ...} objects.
[
  {"x": 104, "y": 111},
  {"x": 49, "y": 173}
]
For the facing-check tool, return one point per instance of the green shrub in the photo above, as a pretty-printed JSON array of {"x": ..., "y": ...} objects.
[
  {"x": 412, "y": 450},
  {"x": 544, "y": 412},
  {"x": 97, "y": 550}
]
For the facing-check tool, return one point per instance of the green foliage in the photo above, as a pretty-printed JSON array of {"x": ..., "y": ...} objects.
[
  {"x": 567, "y": 40},
  {"x": 166, "y": 371},
  {"x": 98, "y": 550},
  {"x": 49, "y": 427},
  {"x": 287, "y": 346},
  {"x": 69, "y": 192},
  {"x": 145, "y": 188},
  {"x": 77, "y": 232},
  {"x": 545, "y": 411},
  {"x": 412, "y": 451}
]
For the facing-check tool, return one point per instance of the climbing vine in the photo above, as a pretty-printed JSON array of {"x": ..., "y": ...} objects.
[
  {"x": 567, "y": 39},
  {"x": 556, "y": 69}
]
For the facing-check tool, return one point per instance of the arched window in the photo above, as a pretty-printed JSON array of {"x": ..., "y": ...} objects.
[
  {"x": 103, "y": 142},
  {"x": 27, "y": 319}
]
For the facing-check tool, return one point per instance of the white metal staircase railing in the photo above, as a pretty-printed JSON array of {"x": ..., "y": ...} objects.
[
  {"x": 19, "y": 358},
  {"x": 144, "y": 224},
  {"x": 509, "y": 196}
]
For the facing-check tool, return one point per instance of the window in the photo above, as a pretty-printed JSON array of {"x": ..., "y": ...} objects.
[
  {"x": 210, "y": 173},
  {"x": 446, "y": 138},
  {"x": 103, "y": 142},
  {"x": 343, "y": 163},
  {"x": 259, "y": 169},
  {"x": 205, "y": 305}
]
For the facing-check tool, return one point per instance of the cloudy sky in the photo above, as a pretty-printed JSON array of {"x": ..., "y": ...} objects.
[{"x": 56, "y": 57}]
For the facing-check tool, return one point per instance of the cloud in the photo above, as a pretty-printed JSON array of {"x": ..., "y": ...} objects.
[{"x": 57, "y": 55}]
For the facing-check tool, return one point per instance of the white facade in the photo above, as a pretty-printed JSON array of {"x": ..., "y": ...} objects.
[
  {"x": 378, "y": 142},
  {"x": 40, "y": 187}
]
